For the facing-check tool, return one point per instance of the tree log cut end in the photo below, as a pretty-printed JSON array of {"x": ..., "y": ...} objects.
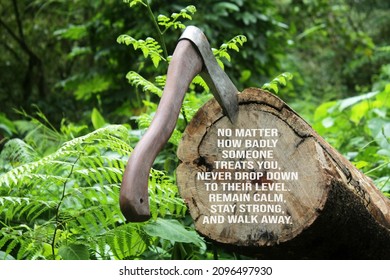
[{"x": 269, "y": 177}]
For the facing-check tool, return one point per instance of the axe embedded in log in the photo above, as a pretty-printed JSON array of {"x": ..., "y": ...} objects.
[{"x": 191, "y": 57}]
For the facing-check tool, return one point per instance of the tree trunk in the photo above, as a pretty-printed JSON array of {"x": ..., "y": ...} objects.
[{"x": 270, "y": 186}]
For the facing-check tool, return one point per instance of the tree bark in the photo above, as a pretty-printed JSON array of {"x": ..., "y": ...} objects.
[
  {"x": 35, "y": 74},
  {"x": 271, "y": 187}
]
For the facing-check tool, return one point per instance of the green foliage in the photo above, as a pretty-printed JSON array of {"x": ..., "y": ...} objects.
[
  {"x": 173, "y": 20},
  {"x": 72, "y": 32},
  {"x": 74, "y": 252},
  {"x": 149, "y": 47},
  {"x": 280, "y": 80},
  {"x": 7, "y": 128},
  {"x": 359, "y": 128},
  {"x": 132, "y": 3},
  {"x": 233, "y": 44},
  {"x": 192, "y": 101},
  {"x": 69, "y": 197},
  {"x": 137, "y": 80},
  {"x": 97, "y": 119},
  {"x": 65, "y": 205},
  {"x": 91, "y": 86},
  {"x": 333, "y": 46},
  {"x": 59, "y": 184}
]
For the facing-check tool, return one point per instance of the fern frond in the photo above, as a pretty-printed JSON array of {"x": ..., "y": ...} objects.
[
  {"x": 149, "y": 47},
  {"x": 72, "y": 195},
  {"x": 192, "y": 102},
  {"x": 161, "y": 80},
  {"x": 173, "y": 20},
  {"x": 118, "y": 131},
  {"x": 126, "y": 241},
  {"x": 233, "y": 44},
  {"x": 139, "y": 81},
  {"x": 117, "y": 146},
  {"x": 40, "y": 133},
  {"x": 68, "y": 151},
  {"x": 164, "y": 199},
  {"x": 16, "y": 152},
  {"x": 134, "y": 2},
  {"x": 144, "y": 121},
  {"x": 279, "y": 80},
  {"x": 198, "y": 80},
  {"x": 23, "y": 208}
]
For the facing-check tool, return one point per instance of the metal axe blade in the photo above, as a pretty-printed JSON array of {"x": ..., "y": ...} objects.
[{"x": 223, "y": 89}]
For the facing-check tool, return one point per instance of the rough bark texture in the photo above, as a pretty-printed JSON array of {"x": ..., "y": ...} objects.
[{"x": 270, "y": 186}]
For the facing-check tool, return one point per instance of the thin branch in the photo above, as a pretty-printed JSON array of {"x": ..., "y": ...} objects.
[
  {"x": 19, "y": 40},
  {"x": 18, "y": 20},
  {"x": 159, "y": 33},
  {"x": 11, "y": 32},
  {"x": 57, "y": 211}
]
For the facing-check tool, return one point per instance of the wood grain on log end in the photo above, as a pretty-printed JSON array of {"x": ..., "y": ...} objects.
[{"x": 273, "y": 178}]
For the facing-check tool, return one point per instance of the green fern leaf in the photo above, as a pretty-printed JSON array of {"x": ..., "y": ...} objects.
[
  {"x": 69, "y": 150},
  {"x": 29, "y": 247},
  {"x": 144, "y": 121},
  {"x": 139, "y": 81},
  {"x": 132, "y": 3},
  {"x": 126, "y": 241},
  {"x": 4, "y": 239},
  {"x": 281, "y": 79},
  {"x": 149, "y": 47},
  {"x": 163, "y": 194},
  {"x": 235, "y": 43},
  {"x": 199, "y": 81},
  {"x": 12, "y": 245},
  {"x": 174, "y": 231},
  {"x": 16, "y": 152},
  {"x": 161, "y": 80},
  {"x": 74, "y": 252},
  {"x": 174, "y": 19},
  {"x": 82, "y": 181}
]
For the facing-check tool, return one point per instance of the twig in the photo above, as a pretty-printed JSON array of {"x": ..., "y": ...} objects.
[
  {"x": 159, "y": 33},
  {"x": 57, "y": 218}
]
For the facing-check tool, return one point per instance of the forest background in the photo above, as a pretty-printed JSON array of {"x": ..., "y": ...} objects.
[{"x": 80, "y": 82}]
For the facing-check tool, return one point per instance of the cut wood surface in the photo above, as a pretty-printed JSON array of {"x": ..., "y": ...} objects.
[{"x": 270, "y": 186}]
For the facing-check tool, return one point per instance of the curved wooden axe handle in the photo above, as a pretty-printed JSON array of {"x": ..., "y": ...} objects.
[
  {"x": 192, "y": 56},
  {"x": 186, "y": 63}
]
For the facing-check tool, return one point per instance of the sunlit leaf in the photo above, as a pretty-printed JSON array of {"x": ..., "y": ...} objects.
[
  {"x": 74, "y": 252},
  {"x": 97, "y": 119},
  {"x": 173, "y": 231}
]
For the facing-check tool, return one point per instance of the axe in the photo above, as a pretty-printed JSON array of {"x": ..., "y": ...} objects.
[{"x": 192, "y": 56}]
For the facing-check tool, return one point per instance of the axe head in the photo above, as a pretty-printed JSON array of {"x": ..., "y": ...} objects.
[
  {"x": 191, "y": 57},
  {"x": 218, "y": 81}
]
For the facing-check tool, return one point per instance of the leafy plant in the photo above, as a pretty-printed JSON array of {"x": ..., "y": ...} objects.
[
  {"x": 280, "y": 80},
  {"x": 65, "y": 205},
  {"x": 164, "y": 21},
  {"x": 359, "y": 128},
  {"x": 173, "y": 20},
  {"x": 149, "y": 47},
  {"x": 59, "y": 184},
  {"x": 137, "y": 80},
  {"x": 153, "y": 87},
  {"x": 233, "y": 44}
]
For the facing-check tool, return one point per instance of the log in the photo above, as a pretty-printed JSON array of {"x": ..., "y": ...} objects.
[{"x": 270, "y": 187}]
